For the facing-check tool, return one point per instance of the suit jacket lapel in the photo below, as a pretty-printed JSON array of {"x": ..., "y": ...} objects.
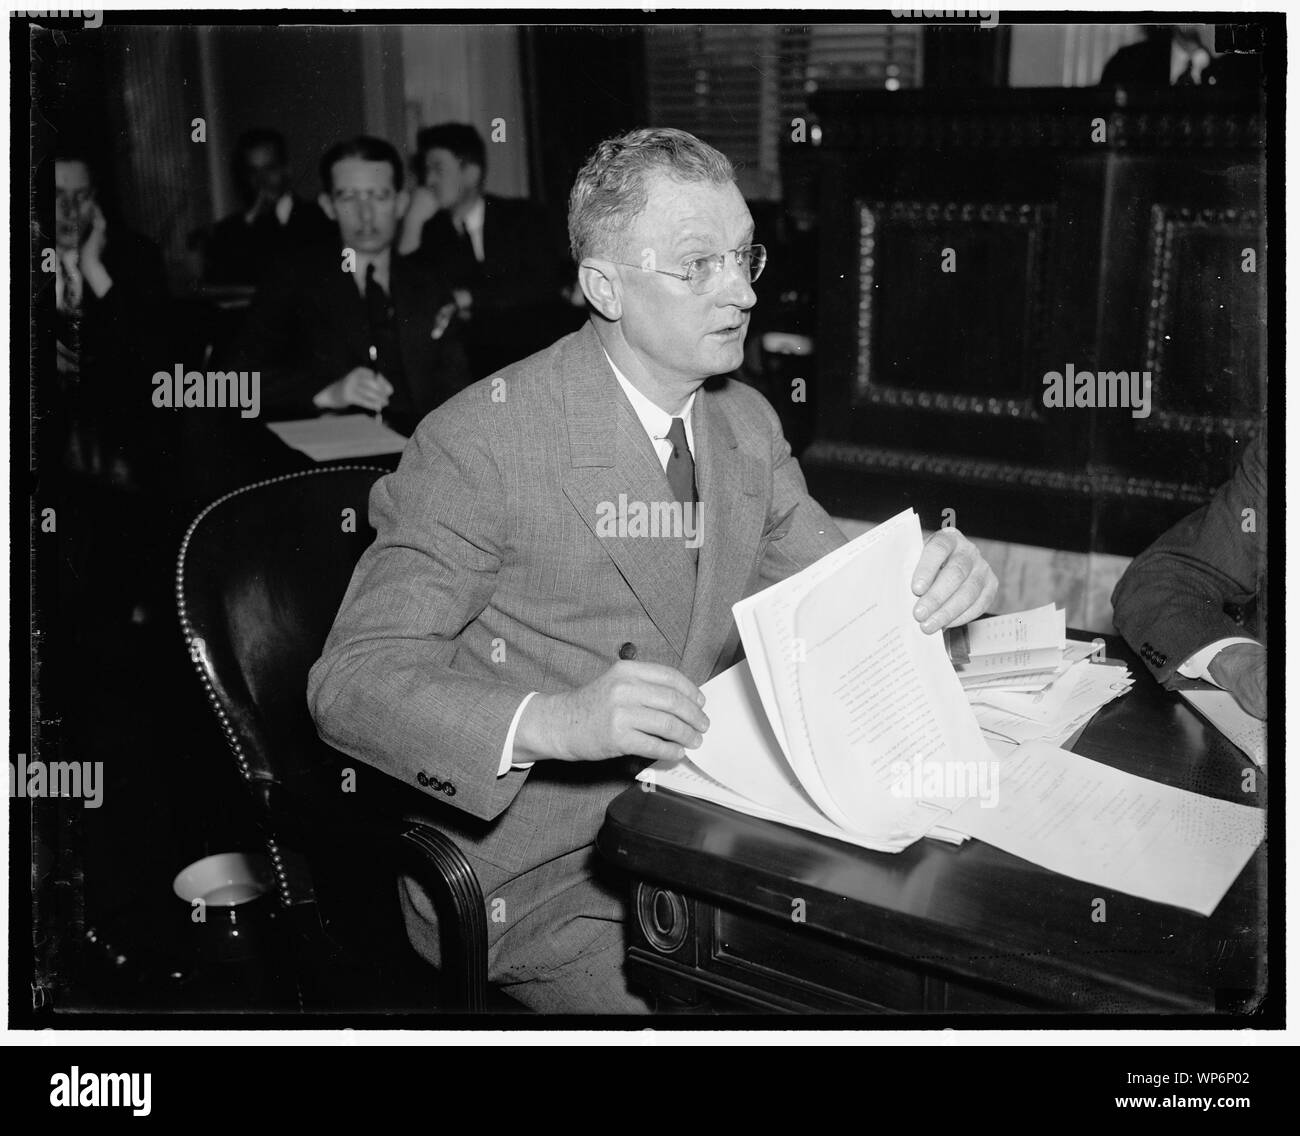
[
  {"x": 615, "y": 469},
  {"x": 345, "y": 308},
  {"x": 489, "y": 231},
  {"x": 413, "y": 333},
  {"x": 730, "y": 517}
]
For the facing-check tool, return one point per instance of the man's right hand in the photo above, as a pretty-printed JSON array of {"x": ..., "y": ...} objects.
[
  {"x": 359, "y": 387},
  {"x": 423, "y": 206},
  {"x": 636, "y": 709},
  {"x": 1242, "y": 670}
]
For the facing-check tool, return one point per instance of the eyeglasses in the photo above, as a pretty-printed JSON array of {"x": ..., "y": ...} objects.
[
  {"x": 704, "y": 273},
  {"x": 350, "y": 198}
]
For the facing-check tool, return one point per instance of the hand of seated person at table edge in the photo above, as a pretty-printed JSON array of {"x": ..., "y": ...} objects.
[
  {"x": 359, "y": 387},
  {"x": 1242, "y": 670}
]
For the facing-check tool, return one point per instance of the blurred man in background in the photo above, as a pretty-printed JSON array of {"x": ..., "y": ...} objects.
[
  {"x": 1179, "y": 55},
  {"x": 109, "y": 323},
  {"x": 507, "y": 277},
  {"x": 272, "y": 222}
]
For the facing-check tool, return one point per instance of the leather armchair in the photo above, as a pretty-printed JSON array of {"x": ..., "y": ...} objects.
[{"x": 259, "y": 579}]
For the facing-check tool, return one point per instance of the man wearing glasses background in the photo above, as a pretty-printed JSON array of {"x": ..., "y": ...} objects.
[
  {"x": 354, "y": 326},
  {"x": 518, "y": 659}
]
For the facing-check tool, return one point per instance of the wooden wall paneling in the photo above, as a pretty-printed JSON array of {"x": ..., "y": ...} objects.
[{"x": 931, "y": 384}]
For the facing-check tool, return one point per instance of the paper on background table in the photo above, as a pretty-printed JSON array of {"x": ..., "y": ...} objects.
[
  {"x": 334, "y": 437},
  {"x": 1220, "y": 709},
  {"x": 1107, "y": 827}
]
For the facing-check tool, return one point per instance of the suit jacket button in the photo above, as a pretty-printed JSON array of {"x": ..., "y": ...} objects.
[
  {"x": 422, "y": 777},
  {"x": 627, "y": 651}
]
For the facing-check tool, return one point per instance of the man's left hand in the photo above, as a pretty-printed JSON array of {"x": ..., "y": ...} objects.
[{"x": 953, "y": 580}]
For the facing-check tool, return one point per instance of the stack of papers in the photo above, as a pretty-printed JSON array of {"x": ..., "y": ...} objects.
[
  {"x": 1021, "y": 651},
  {"x": 848, "y": 721},
  {"x": 841, "y": 700},
  {"x": 1049, "y": 706}
]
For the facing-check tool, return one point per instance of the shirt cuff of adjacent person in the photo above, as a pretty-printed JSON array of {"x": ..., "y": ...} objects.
[
  {"x": 1198, "y": 665},
  {"x": 506, "y": 764}
]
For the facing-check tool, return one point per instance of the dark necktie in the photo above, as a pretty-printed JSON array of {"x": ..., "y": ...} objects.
[
  {"x": 376, "y": 302},
  {"x": 681, "y": 466},
  {"x": 681, "y": 480},
  {"x": 385, "y": 350}
]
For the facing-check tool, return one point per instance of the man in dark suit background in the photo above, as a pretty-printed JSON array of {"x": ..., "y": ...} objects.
[
  {"x": 1179, "y": 55},
  {"x": 1196, "y": 602},
  {"x": 506, "y": 274},
  {"x": 355, "y": 326},
  {"x": 273, "y": 221},
  {"x": 109, "y": 299}
]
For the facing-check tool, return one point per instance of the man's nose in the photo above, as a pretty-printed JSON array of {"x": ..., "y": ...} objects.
[
  {"x": 737, "y": 288},
  {"x": 367, "y": 210}
]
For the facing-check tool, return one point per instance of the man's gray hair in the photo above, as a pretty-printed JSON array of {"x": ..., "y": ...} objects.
[{"x": 610, "y": 191}]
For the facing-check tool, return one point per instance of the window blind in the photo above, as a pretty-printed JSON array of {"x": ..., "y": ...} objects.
[{"x": 739, "y": 86}]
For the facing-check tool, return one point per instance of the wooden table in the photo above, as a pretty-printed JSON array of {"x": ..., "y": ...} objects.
[{"x": 732, "y": 912}]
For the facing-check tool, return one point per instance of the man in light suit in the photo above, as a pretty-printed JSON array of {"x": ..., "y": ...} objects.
[
  {"x": 1196, "y": 602},
  {"x": 504, "y": 649}
]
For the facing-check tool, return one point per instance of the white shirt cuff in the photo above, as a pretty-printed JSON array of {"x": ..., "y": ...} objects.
[
  {"x": 1198, "y": 665},
  {"x": 509, "y": 748}
]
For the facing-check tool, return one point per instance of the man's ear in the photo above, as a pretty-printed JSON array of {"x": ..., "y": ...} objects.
[
  {"x": 327, "y": 206},
  {"x": 602, "y": 287},
  {"x": 402, "y": 202}
]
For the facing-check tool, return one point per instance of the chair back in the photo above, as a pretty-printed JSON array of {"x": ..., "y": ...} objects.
[{"x": 259, "y": 579}]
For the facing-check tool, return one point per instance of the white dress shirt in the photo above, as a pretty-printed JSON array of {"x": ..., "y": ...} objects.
[
  {"x": 283, "y": 209},
  {"x": 472, "y": 223},
  {"x": 1198, "y": 665},
  {"x": 1199, "y": 58},
  {"x": 656, "y": 423}
]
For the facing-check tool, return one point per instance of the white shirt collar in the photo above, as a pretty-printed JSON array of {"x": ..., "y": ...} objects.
[
  {"x": 654, "y": 420},
  {"x": 473, "y": 218},
  {"x": 1199, "y": 56},
  {"x": 283, "y": 208},
  {"x": 472, "y": 223}
]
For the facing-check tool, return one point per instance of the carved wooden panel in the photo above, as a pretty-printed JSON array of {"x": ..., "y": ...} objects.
[
  {"x": 949, "y": 306},
  {"x": 1205, "y": 320},
  {"x": 1094, "y": 231}
]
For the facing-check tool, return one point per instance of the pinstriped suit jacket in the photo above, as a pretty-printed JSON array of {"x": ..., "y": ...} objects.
[{"x": 491, "y": 576}]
